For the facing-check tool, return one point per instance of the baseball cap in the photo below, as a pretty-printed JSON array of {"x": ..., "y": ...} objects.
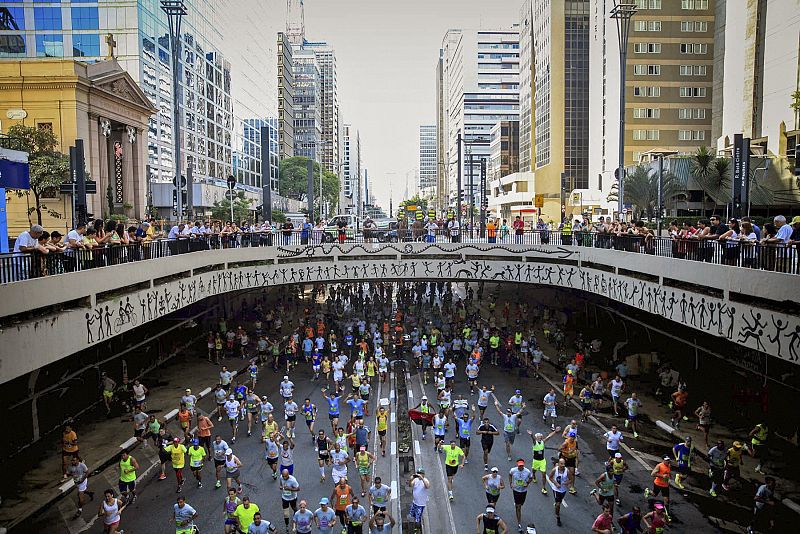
[
  {"x": 490, "y": 509},
  {"x": 424, "y": 397},
  {"x": 737, "y": 445},
  {"x": 795, "y": 220},
  {"x": 421, "y": 470},
  {"x": 230, "y": 396},
  {"x": 517, "y": 391},
  {"x": 618, "y": 455},
  {"x": 658, "y": 506},
  {"x": 520, "y": 462},
  {"x": 188, "y": 390},
  {"x": 286, "y": 377},
  {"x": 228, "y": 451},
  {"x": 176, "y": 440},
  {"x": 667, "y": 459},
  {"x": 494, "y": 470},
  {"x": 195, "y": 441},
  {"x": 323, "y": 500}
]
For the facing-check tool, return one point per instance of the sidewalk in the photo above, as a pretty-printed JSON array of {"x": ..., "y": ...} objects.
[{"x": 102, "y": 439}]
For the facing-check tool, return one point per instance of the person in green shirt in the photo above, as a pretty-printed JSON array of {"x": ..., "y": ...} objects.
[
  {"x": 177, "y": 452},
  {"x": 244, "y": 513},
  {"x": 197, "y": 456},
  {"x": 454, "y": 456},
  {"x": 127, "y": 476}
]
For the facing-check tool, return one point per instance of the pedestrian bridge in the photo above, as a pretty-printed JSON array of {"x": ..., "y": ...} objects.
[{"x": 45, "y": 319}]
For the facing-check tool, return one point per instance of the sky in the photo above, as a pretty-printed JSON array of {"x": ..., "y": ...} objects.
[{"x": 386, "y": 53}]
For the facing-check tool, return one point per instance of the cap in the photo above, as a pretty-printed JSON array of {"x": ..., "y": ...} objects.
[
  {"x": 796, "y": 220},
  {"x": 176, "y": 440},
  {"x": 228, "y": 451},
  {"x": 618, "y": 455},
  {"x": 263, "y": 397},
  {"x": 230, "y": 396},
  {"x": 490, "y": 509},
  {"x": 667, "y": 459},
  {"x": 517, "y": 391},
  {"x": 520, "y": 462},
  {"x": 323, "y": 500},
  {"x": 494, "y": 470},
  {"x": 569, "y": 371},
  {"x": 737, "y": 445},
  {"x": 188, "y": 390},
  {"x": 286, "y": 377},
  {"x": 421, "y": 470},
  {"x": 424, "y": 397},
  {"x": 658, "y": 506}
]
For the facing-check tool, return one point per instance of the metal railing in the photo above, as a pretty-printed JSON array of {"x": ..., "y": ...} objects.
[{"x": 770, "y": 257}]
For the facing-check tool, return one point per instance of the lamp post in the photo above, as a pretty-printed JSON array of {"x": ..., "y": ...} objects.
[
  {"x": 622, "y": 13},
  {"x": 175, "y": 10},
  {"x": 660, "y": 186}
]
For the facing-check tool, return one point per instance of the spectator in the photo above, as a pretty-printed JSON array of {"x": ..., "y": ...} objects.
[
  {"x": 491, "y": 231},
  {"x": 756, "y": 228},
  {"x": 519, "y": 229},
  {"x": 748, "y": 238},
  {"x": 29, "y": 239},
  {"x": 795, "y": 238},
  {"x": 75, "y": 237},
  {"x": 730, "y": 243},
  {"x": 286, "y": 229}
]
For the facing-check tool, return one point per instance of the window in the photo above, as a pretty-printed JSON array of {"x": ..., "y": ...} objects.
[
  {"x": 648, "y": 4},
  {"x": 693, "y": 70},
  {"x": 647, "y": 48},
  {"x": 691, "y": 135},
  {"x": 85, "y": 45},
  {"x": 16, "y": 18},
  {"x": 647, "y": 91},
  {"x": 694, "y": 48},
  {"x": 692, "y": 113},
  {"x": 646, "y": 113},
  {"x": 701, "y": 26},
  {"x": 647, "y": 26},
  {"x": 693, "y": 92},
  {"x": 645, "y": 135},
  {"x": 49, "y": 45},
  {"x": 647, "y": 70},
  {"x": 84, "y": 18},
  {"x": 47, "y": 18},
  {"x": 694, "y": 4}
]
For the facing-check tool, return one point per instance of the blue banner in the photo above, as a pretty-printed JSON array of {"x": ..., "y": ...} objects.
[{"x": 14, "y": 175}]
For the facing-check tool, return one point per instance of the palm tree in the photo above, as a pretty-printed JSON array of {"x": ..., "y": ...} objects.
[
  {"x": 721, "y": 177},
  {"x": 641, "y": 189},
  {"x": 702, "y": 169}
]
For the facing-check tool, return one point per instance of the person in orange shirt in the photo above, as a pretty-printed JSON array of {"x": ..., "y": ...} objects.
[
  {"x": 661, "y": 472},
  {"x": 69, "y": 449},
  {"x": 184, "y": 417},
  {"x": 569, "y": 452},
  {"x": 341, "y": 497},
  {"x": 679, "y": 399},
  {"x": 569, "y": 386},
  {"x": 363, "y": 347},
  {"x": 491, "y": 231},
  {"x": 204, "y": 426}
]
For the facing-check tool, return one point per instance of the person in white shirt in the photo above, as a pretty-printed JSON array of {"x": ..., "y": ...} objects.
[
  {"x": 29, "y": 239},
  {"x": 784, "y": 234},
  {"x": 432, "y": 228},
  {"x": 75, "y": 237},
  {"x": 455, "y": 230},
  {"x": 176, "y": 231}
]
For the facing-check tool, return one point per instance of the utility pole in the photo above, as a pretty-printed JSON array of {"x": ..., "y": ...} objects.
[
  {"x": 622, "y": 13},
  {"x": 458, "y": 182},
  {"x": 175, "y": 10}
]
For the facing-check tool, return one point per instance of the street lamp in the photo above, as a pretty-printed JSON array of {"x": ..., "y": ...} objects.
[
  {"x": 622, "y": 13},
  {"x": 175, "y": 10},
  {"x": 660, "y": 154}
]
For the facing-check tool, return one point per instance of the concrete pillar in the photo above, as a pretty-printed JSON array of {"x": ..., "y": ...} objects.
[{"x": 129, "y": 177}]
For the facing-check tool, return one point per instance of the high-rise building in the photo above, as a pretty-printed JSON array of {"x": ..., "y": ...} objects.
[
  {"x": 480, "y": 88},
  {"x": 295, "y": 22},
  {"x": 330, "y": 149},
  {"x": 351, "y": 170},
  {"x": 285, "y": 97},
  {"x": 755, "y": 75},
  {"x": 225, "y": 81},
  {"x": 526, "y": 54},
  {"x": 503, "y": 150},
  {"x": 669, "y": 73},
  {"x": 559, "y": 99},
  {"x": 307, "y": 104},
  {"x": 428, "y": 161}
]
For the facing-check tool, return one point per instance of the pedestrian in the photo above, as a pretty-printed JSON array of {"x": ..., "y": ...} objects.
[
  {"x": 379, "y": 495},
  {"x": 245, "y": 514},
  {"x": 197, "y": 455},
  {"x": 662, "y": 474},
  {"x": 177, "y": 453},
  {"x": 703, "y": 413},
  {"x": 127, "y": 477},
  {"x": 733, "y": 463},
  {"x": 633, "y": 404},
  {"x": 683, "y": 457},
  {"x": 324, "y": 517},
  {"x": 618, "y": 468},
  {"x": 560, "y": 480},
  {"x": 342, "y": 496},
  {"x": 204, "y": 426},
  {"x": 233, "y": 470},
  {"x": 80, "y": 476},
  {"x": 519, "y": 478},
  {"x": 604, "y": 524},
  {"x": 356, "y": 515},
  {"x": 716, "y": 466},
  {"x": 491, "y": 522},
  {"x": 420, "y": 489},
  {"x": 493, "y": 484},
  {"x": 289, "y": 488},
  {"x": 487, "y": 431},
  {"x": 604, "y": 492},
  {"x": 110, "y": 511}
]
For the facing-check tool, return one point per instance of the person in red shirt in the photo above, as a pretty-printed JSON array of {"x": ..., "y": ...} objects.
[
  {"x": 519, "y": 229},
  {"x": 604, "y": 522}
]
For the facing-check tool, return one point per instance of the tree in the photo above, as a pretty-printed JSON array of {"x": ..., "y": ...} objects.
[
  {"x": 49, "y": 168},
  {"x": 795, "y": 105},
  {"x": 293, "y": 181},
  {"x": 702, "y": 169},
  {"x": 641, "y": 189},
  {"x": 241, "y": 209}
]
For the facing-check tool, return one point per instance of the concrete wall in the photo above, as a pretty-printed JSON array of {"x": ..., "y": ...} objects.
[{"x": 34, "y": 343}]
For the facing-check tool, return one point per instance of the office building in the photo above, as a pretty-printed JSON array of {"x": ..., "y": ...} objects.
[
  {"x": 285, "y": 97},
  {"x": 526, "y": 86},
  {"x": 442, "y": 176},
  {"x": 329, "y": 151},
  {"x": 307, "y": 104},
  {"x": 351, "y": 170},
  {"x": 480, "y": 88},
  {"x": 225, "y": 81},
  {"x": 669, "y": 83},
  {"x": 428, "y": 161},
  {"x": 503, "y": 150}
]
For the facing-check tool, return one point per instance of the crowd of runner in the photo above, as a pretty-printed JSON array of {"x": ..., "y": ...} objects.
[{"x": 344, "y": 337}]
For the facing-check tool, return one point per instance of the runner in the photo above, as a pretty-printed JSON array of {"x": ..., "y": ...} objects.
[
  {"x": 703, "y": 414},
  {"x": 509, "y": 425},
  {"x": 516, "y": 403},
  {"x": 683, "y": 457},
  {"x": 333, "y": 407},
  {"x": 604, "y": 524},
  {"x": 493, "y": 484},
  {"x": 661, "y": 472},
  {"x": 379, "y": 496},
  {"x": 339, "y": 459},
  {"x": 80, "y": 476},
  {"x": 197, "y": 456},
  {"x": 286, "y": 454},
  {"x": 764, "y": 507},
  {"x": 492, "y": 523},
  {"x": 487, "y": 431},
  {"x": 606, "y": 489},
  {"x": 342, "y": 497},
  {"x": 568, "y": 451},
  {"x": 454, "y": 456},
  {"x": 252, "y": 407},
  {"x": 324, "y": 517},
  {"x": 303, "y": 519},
  {"x": 656, "y": 521},
  {"x": 323, "y": 445},
  {"x": 261, "y": 526},
  {"x": 716, "y": 465},
  {"x": 177, "y": 452},
  {"x": 631, "y": 523},
  {"x": 232, "y": 467},
  {"x": 464, "y": 429},
  {"x": 290, "y": 409},
  {"x": 381, "y": 425},
  {"x": 245, "y": 514},
  {"x": 561, "y": 480},
  {"x": 127, "y": 477},
  {"x": 616, "y": 387},
  {"x": 232, "y": 409},
  {"x": 758, "y": 446},
  {"x": 613, "y": 438},
  {"x": 633, "y": 404},
  {"x": 289, "y": 488},
  {"x": 230, "y": 505},
  {"x": 585, "y": 400},
  {"x": 310, "y": 415},
  {"x": 519, "y": 478},
  {"x": 483, "y": 399},
  {"x": 472, "y": 371},
  {"x": 618, "y": 468},
  {"x": 363, "y": 460},
  {"x": 378, "y": 523},
  {"x": 539, "y": 463},
  {"x": 183, "y": 516},
  {"x": 110, "y": 510},
  {"x": 550, "y": 404},
  {"x": 220, "y": 396},
  {"x": 356, "y": 515},
  {"x": 733, "y": 462}
]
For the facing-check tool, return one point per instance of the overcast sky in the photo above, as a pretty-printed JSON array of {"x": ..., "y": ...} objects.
[{"x": 386, "y": 52}]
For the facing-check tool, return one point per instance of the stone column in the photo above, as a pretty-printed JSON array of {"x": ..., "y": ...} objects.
[
  {"x": 103, "y": 141},
  {"x": 129, "y": 177}
]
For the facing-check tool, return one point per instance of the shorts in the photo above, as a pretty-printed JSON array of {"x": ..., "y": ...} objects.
[
  {"x": 289, "y": 468},
  {"x": 108, "y": 394},
  {"x": 539, "y": 465},
  {"x": 570, "y": 462},
  {"x": 286, "y": 504},
  {"x": 492, "y": 499},
  {"x": 309, "y": 422},
  {"x": 683, "y": 469},
  {"x": 451, "y": 470},
  {"x": 415, "y": 513},
  {"x": 444, "y": 405},
  {"x": 333, "y": 416},
  {"x": 196, "y": 468},
  {"x": 463, "y": 443},
  {"x": 549, "y": 412},
  {"x": 220, "y": 405},
  {"x": 509, "y": 437},
  {"x": 364, "y": 471},
  {"x": 291, "y": 418},
  {"x": 376, "y": 509},
  {"x": 487, "y": 445},
  {"x": 83, "y": 485},
  {"x": 109, "y": 527},
  {"x": 559, "y": 495},
  {"x": 233, "y": 522},
  {"x": 67, "y": 454},
  {"x": 438, "y": 436},
  {"x": 617, "y": 479},
  {"x": 138, "y": 432},
  {"x": 218, "y": 463},
  {"x": 323, "y": 456},
  {"x": 660, "y": 490},
  {"x": 597, "y": 396},
  {"x": 606, "y": 499},
  {"x": 365, "y": 397},
  {"x": 233, "y": 420},
  {"x": 270, "y": 461},
  {"x": 381, "y": 433},
  {"x": 127, "y": 486},
  {"x": 519, "y": 497},
  {"x": 586, "y": 406},
  {"x": 232, "y": 474},
  {"x": 632, "y": 417}
]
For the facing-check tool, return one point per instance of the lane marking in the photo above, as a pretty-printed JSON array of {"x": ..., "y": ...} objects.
[
  {"x": 392, "y": 418},
  {"x": 391, "y": 395},
  {"x": 417, "y": 449},
  {"x": 171, "y": 414},
  {"x": 393, "y": 448},
  {"x": 393, "y": 488}
]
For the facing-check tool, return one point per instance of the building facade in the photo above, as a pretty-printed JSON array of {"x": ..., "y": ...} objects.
[
  {"x": 526, "y": 115},
  {"x": 330, "y": 142},
  {"x": 285, "y": 97},
  {"x": 480, "y": 88},
  {"x": 503, "y": 150},
  {"x": 222, "y": 79},
  {"x": 428, "y": 161},
  {"x": 307, "y": 104},
  {"x": 350, "y": 196}
]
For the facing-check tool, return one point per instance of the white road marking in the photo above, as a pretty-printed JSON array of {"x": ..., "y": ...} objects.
[
  {"x": 393, "y": 488},
  {"x": 171, "y": 414},
  {"x": 393, "y": 448},
  {"x": 391, "y": 395},
  {"x": 417, "y": 449},
  {"x": 66, "y": 486},
  {"x": 392, "y": 418}
]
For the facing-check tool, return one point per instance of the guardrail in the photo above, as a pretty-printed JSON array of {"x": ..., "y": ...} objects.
[{"x": 770, "y": 257}]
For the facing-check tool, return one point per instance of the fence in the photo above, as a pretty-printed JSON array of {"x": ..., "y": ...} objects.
[{"x": 770, "y": 257}]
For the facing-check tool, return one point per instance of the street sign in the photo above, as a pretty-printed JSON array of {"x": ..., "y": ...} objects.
[
  {"x": 538, "y": 201},
  {"x": 230, "y": 195},
  {"x": 66, "y": 188},
  {"x": 175, "y": 182},
  {"x": 231, "y": 182},
  {"x": 576, "y": 199}
]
